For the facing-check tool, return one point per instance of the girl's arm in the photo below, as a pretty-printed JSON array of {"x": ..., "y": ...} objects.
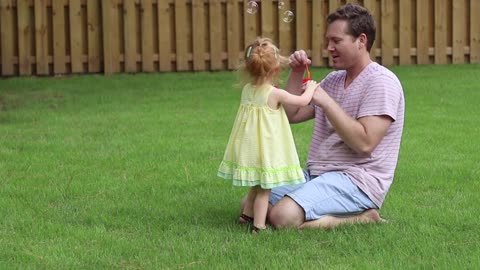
[{"x": 278, "y": 96}]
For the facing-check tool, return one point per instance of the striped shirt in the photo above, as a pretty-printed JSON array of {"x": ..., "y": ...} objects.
[{"x": 375, "y": 91}]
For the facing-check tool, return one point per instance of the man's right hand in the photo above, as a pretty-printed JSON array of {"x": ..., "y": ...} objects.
[{"x": 298, "y": 60}]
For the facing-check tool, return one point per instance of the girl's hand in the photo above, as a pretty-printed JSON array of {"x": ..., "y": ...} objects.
[{"x": 311, "y": 85}]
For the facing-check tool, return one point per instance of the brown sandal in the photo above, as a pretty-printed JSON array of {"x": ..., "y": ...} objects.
[
  {"x": 244, "y": 219},
  {"x": 256, "y": 230}
]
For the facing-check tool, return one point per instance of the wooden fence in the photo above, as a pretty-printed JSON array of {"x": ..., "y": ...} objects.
[{"x": 48, "y": 37}]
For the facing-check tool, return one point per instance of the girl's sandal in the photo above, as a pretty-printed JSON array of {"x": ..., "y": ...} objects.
[
  {"x": 244, "y": 219},
  {"x": 256, "y": 230}
]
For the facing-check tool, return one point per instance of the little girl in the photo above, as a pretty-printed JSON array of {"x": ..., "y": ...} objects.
[{"x": 261, "y": 152}]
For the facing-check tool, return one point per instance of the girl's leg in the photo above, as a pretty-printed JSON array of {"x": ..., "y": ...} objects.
[
  {"x": 247, "y": 209},
  {"x": 260, "y": 207}
]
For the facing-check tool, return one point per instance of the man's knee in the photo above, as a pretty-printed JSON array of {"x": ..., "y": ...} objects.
[{"x": 286, "y": 213}]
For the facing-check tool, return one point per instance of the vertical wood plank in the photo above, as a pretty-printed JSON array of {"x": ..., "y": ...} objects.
[
  {"x": 233, "y": 34},
  {"x": 318, "y": 33},
  {"x": 458, "y": 29},
  {"x": 130, "y": 36},
  {"x": 94, "y": 35},
  {"x": 440, "y": 54},
  {"x": 422, "y": 32},
  {"x": 405, "y": 30},
  {"x": 372, "y": 7},
  {"x": 110, "y": 36},
  {"x": 215, "y": 34},
  {"x": 285, "y": 43},
  {"x": 24, "y": 37},
  {"x": 147, "y": 35},
  {"x": 474, "y": 31},
  {"x": 198, "y": 26},
  {"x": 333, "y": 5},
  {"x": 267, "y": 18},
  {"x": 41, "y": 37},
  {"x": 164, "y": 36},
  {"x": 75, "y": 10},
  {"x": 301, "y": 23},
  {"x": 7, "y": 37},
  {"x": 59, "y": 51},
  {"x": 181, "y": 35},
  {"x": 387, "y": 32},
  {"x": 249, "y": 25}
]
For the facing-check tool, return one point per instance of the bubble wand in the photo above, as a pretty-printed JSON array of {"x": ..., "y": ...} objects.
[{"x": 309, "y": 76}]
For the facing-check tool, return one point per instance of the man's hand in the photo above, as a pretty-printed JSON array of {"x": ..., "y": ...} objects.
[{"x": 298, "y": 60}]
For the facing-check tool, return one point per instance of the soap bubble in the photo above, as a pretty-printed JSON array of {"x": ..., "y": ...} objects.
[
  {"x": 281, "y": 5},
  {"x": 252, "y": 7},
  {"x": 288, "y": 16}
]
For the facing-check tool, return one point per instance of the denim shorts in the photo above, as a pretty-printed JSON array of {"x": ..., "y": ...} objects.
[{"x": 332, "y": 193}]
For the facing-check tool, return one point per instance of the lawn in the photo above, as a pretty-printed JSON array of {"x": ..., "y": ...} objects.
[{"x": 119, "y": 172}]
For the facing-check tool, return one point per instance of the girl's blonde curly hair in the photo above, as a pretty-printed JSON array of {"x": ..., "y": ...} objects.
[{"x": 262, "y": 62}]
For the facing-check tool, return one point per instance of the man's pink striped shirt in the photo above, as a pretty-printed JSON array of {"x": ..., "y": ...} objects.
[{"x": 375, "y": 91}]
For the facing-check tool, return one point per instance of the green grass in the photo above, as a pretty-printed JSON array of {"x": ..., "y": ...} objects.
[{"x": 119, "y": 172}]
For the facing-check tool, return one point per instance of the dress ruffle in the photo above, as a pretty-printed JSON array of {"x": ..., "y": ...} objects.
[{"x": 266, "y": 178}]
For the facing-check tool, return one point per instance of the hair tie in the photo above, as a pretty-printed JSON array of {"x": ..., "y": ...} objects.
[{"x": 249, "y": 50}]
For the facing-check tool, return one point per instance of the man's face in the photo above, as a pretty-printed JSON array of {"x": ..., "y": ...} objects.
[{"x": 343, "y": 48}]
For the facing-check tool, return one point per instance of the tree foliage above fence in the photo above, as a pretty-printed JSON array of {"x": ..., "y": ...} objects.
[{"x": 48, "y": 37}]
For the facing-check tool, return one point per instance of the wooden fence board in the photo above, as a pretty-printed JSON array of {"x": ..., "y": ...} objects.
[
  {"x": 233, "y": 34},
  {"x": 24, "y": 37},
  {"x": 198, "y": 26},
  {"x": 267, "y": 19},
  {"x": 249, "y": 25},
  {"x": 387, "y": 32},
  {"x": 284, "y": 33},
  {"x": 147, "y": 35},
  {"x": 41, "y": 37},
  {"x": 76, "y": 39},
  {"x": 405, "y": 26},
  {"x": 164, "y": 36},
  {"x": 440, "y": 32},
  {"x": 110, "y": 37},
  {"x": 59, "y": 48},
  {"x": 181, "y": 34},
  {"x": 333, "y": 5},
  {"x": 318, "y": 33},
  {"x": 94, "y": 35},
  {"x": 458, "y": 31},
  {"x": 422, "y": 32},
  {"x": 7, "y": 37},
  {"x": 130, "y": 36},
  {"x": 301, "y": 26},
  {"x": 215, "y": 35},
  {"x": 474, "y": 31}
]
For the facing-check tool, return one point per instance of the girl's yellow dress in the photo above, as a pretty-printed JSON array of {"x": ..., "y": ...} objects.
[{"x": 261, "y": 150}]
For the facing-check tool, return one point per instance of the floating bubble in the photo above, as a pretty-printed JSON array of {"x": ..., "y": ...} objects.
[
  {"x": 281, "y": 5},
  {"x": 288, "y": 16},
  {"x": 252, "y": 7}
]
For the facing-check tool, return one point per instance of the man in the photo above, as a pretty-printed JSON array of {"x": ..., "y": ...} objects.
[{"x": 358, "y": 112}]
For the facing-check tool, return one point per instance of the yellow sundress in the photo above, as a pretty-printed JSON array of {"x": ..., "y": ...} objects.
[{"x": 260, "y": 150}]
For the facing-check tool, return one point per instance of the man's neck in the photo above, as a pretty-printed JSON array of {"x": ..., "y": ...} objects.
[{"x": 354, "y": 71}]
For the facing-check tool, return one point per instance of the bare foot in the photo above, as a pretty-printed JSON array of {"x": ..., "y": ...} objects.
[
  {"x": 371, "y": 215},
  {"x": 329, "y": 222}
]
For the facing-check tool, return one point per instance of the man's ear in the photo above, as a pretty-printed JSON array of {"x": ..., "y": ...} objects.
[{"x": 362, "y": 41}]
